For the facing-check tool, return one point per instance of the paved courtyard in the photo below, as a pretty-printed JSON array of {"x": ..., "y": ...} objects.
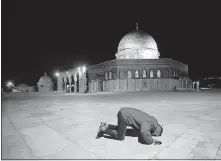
[{"x": 64, "y": 126}]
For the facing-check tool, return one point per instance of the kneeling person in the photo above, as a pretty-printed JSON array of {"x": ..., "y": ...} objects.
[{"x": 140, "y": 121}]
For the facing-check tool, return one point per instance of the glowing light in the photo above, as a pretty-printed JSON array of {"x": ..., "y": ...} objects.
[
  {"x": 10, "y": 84},
  {"x": 57, "y": 74},
  {"x": 84, "y": 69}
]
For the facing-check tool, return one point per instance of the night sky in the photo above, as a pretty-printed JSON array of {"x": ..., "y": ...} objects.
[{"x": 45, "y": 36}]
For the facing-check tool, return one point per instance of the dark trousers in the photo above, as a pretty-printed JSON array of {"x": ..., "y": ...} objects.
[{"x": 117, "y": 132}]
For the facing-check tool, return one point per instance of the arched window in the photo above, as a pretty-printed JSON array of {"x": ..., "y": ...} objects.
[
  {"x": 144, "y": 73},
  {"x": 151, "y": 73},
  {"x": 110, "y": 75},
  {"x": 106, "y": 76},
  {"x": 174, "y": 73},
  {"x": 136, "y": 74},
  {"x": 129, "y": 74},
  {"x": 158, "y": 73}
]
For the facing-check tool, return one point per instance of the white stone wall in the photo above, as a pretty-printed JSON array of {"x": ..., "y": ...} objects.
[
  {"x": 139, "y": 85},
  {"x": 46, "y": 87},
  {"x": 26, "y": 89}
]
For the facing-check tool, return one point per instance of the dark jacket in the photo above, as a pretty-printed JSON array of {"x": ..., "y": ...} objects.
[{"x": 141, "y": 122}]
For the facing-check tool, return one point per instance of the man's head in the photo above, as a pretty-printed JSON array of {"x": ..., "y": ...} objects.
[{"x": 158, "y": 131}]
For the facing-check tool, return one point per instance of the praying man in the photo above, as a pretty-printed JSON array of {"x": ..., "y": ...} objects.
[{"x": 146, "y": 125}]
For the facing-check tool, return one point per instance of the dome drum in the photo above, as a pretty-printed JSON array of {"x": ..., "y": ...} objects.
[{"x": 138, "y": 54}]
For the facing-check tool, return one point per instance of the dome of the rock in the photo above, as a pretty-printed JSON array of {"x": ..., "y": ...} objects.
[{"x": 137, "y": 45}]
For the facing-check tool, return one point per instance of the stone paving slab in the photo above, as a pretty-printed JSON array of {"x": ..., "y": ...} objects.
[
  {"x": 215, "y": 115},
  {"x": 43, "y": 140},
  {"x": 194, "y": 135},
  {"x": 175, "y": 129},
  {"x": 64, "y": 126},
  {"x": 7, "y": 126},
  {"x": 204, "y": 151},
  {"x": 205, "y": 122},
  {"x": 59, "y": 122},
  {"x": 199, "y": 114},
  {"x": 70, "y": 151},
  {"x": 25, "y": 122},
  {"x": 218, "y": 156},
  {"x": 14, "y": 147},
  {"x": 180, "y": 149},
  {"x": 206, "y": 130},
  {"x": 216, "y": 142}
]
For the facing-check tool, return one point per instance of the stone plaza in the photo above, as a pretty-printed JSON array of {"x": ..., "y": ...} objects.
[{"x": 63, "y": 125}]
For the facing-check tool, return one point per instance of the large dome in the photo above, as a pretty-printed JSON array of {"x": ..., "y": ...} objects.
[
  {"x": 45, "y": 79},
  {"x": 137, "y": 45}
]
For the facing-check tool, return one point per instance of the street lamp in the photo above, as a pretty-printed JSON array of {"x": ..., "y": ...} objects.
[
  {"x": 57, "y": 74},
  {"x": 82, "y": 74},
  {"x": 85, "y": 77},
  {"x": 84, "y": 69},
  {"x": 10, "y": 84}
]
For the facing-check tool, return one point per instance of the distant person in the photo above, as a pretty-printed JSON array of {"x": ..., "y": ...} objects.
[{"x": 146, "y": 125}]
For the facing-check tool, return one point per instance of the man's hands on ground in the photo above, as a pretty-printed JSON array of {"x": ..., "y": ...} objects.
[{"x": 157, "y": 142}]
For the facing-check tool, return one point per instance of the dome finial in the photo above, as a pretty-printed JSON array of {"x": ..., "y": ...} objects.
[
  {"x": 137, "y": 26},
  {"x": 45, "y": 74}
]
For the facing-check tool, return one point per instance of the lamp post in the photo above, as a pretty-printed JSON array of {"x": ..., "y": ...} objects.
[
  {"x": 57, "y": 74},
  {"x": 82, "y": 78},
  {"x": 75, "y": 83},
  {"x": 84, "y": 70},
  {"x": 10, "y": 85},
  {"x": 198, "y": 86},
  {"x": 69, "y": 81}
]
